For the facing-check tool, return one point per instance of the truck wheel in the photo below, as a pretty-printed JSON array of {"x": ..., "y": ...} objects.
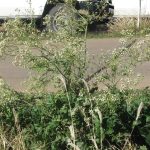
[{"x": 61, "y": 17}]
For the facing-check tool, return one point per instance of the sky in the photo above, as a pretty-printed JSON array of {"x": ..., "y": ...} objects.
[{"x": 130, "y": 7}]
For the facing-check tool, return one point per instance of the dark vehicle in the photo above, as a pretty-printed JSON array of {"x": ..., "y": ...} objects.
[{"x": 38, "y": 9}]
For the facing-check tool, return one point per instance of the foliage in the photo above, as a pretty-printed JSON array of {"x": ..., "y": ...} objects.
[
  {"x": 75, "y": 117},
  {"x": 43, "y": 121},
  {"x": 53, "y": 58}
]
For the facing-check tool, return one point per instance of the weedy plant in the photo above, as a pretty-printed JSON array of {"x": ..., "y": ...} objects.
[{"x": 75, "y": 117}]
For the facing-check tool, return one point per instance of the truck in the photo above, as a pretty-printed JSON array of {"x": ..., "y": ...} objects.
[{"x": 38, "y": 9}]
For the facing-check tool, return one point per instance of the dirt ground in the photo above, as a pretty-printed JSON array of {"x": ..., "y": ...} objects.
[{"x": 15, "y": 76}]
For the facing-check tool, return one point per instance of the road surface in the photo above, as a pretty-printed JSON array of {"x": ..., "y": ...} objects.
[{"x": 15, "y": 76}]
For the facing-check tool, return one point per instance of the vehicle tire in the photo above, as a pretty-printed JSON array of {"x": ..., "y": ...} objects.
[{"x": 61, "y": 17}]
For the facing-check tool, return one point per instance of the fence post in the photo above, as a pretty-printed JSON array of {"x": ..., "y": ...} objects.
[{"x": 139, "y": 15}]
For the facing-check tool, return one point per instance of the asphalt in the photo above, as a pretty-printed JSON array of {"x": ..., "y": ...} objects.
[{"x": 16, "y": 76}]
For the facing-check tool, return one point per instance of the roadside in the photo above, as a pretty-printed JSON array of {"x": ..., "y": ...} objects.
[{"x": 16, "y": 76}]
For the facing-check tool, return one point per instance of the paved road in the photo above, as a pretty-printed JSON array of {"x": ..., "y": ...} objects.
[{"x": 15, "y": 76}]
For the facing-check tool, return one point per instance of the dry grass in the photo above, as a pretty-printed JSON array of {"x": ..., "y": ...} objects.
[
  {"x": 129, "y": 25},
  {"x": 120, "y": 24},
  {"x": 1, "y": 29},
  {"x": 11, "y": 142}
]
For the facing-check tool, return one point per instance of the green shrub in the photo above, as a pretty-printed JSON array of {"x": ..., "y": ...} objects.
[{"x": 44, "y": 120}]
